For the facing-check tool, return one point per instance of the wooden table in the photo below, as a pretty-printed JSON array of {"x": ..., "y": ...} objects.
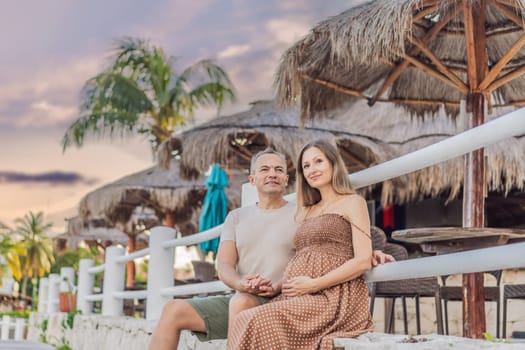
[{"x": 443, "y": 240}]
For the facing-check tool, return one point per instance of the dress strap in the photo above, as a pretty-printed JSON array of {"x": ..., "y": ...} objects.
[
  {"x": 360, "y": 229},
  {"x": 308, "y": 212}
]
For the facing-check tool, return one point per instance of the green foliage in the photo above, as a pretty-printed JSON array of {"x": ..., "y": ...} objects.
[
  {"x": 38, "y": 247},
  {"x": 67, "y": 323},
  {"x": 142, "y": 271},
  {"x": 62, "y": 343},
  {"x": 37, "y": 255},
  {"x": 17, "y": 314},
  {"x": 11, "y": 251},
  {"x": 70, "y": 258},
  {"x": 491, "y": 338},
  {"x": 141, "y": 93},
  {"x": 43, "y": 330},
  {"x": 64, "y": 347}
]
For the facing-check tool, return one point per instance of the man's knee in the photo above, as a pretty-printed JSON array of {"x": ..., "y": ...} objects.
[
  {"x": 182, "y": 315},
  {"x": 243, "y": 301}
]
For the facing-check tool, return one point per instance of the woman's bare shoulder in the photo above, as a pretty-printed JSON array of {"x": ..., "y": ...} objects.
[
  {"x": 301, "y": 213},
  {"x": 351, "y": 200}
]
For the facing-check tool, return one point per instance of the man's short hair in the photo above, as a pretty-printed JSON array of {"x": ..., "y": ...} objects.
[{"x": 268, "y": 150}]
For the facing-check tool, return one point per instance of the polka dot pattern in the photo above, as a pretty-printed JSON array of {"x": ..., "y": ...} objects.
[{"x": 310, "y": 321}]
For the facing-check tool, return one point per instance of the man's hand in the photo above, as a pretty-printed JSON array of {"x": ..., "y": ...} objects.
[
  {"x": 379, "y": 258},
  {"x": 255, "y": 284},
  {"x": 269, "y": 290}
]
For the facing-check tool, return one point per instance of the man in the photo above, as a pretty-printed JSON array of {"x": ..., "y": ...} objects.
[{"x": 256, "y": 245}]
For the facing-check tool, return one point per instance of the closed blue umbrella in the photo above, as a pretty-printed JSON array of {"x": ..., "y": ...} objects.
[{"x": 215, "y": 206}]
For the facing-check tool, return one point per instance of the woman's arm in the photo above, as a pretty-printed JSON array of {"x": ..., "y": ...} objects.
[{"x": 354, "y": 207}]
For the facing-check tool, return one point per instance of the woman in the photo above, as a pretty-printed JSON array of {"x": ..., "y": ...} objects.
[{"x": 323, "y": 295}]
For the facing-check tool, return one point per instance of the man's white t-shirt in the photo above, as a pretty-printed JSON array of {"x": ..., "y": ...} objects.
[{"x": 263, "y": 237}]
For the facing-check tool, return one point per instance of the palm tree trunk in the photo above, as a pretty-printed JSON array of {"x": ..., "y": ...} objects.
[{"x": 24, "y": 286}]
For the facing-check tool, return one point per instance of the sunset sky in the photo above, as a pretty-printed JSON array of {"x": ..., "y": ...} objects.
[{"x": 50, "y": 48}]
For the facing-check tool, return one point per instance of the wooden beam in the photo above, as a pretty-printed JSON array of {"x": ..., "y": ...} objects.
[
  {"x": 510, "y": 14},
  {"x": 334, "y": 86},
  {"x": 420, "y": 102},
  {"x": 439, "y": 65},
  {"x": 430, "y": 71},
  {"x": 353, "y": 158},
  {"x": 495, "y": 33},
  {"x": 493, "y": 73},
  {"x": 506, "y": 78},
  {"x": 472, "y": 72},
  {"x": 511, "y": 4},
  {"x": 241, "y": 152},
  {"x": 425, "y": 3},
  {"x": 480, "y": 43},
  {"x": 396, "y": 72},
  {"x": 424, "y": 13},
  {"x": 520, "y": 103}
]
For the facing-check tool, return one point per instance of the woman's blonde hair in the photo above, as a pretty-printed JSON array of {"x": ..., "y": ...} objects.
[{"x": 307, "y": 195}]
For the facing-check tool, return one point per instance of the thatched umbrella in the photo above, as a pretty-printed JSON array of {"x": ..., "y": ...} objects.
[
  {"x": 233, "y": 140},
  {"x": 505, "y": 159},
  {"x": 162, "y": 190},
  {"x": 173, "y": 199},
  {"x": 94, "y": 231},
  {"x": 422, "y": 54}
]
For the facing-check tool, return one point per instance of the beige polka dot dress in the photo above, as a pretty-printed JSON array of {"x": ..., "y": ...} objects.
[{"x": 310, "y": 321}]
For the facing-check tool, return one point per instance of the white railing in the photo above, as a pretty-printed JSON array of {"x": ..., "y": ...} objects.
[
  {"x": 160, "y": 287},
  {"x": 50, "y": 287},
  {"x": 17, "y": 324}
]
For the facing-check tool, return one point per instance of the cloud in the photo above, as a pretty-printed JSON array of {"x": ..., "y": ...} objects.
[
  {"x": 233, "y": 51},
  {"x": 287, "y": 30},
  {"x": 50, "y": 111},
  {"x": 48, "y": 178},
  {"x": 50, "y": 97}
]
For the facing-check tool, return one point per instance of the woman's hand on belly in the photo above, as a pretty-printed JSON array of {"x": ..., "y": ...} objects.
[{"x": 300, "y": 285}]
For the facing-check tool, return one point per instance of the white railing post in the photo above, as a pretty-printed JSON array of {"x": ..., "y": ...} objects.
[
  {"x": 113, "y": 282},
  {"x": 67, "y": 279},
  {"x": 43, "y": 291},
  {"x": 52, "y": 293},
  {"x": 6, "y": 322},
  {"x": 19, "y": 328},
  {"x": 86, "y": 282},
  {"x": 160, "y": 270},
  {"x": 248, "y": 194}
]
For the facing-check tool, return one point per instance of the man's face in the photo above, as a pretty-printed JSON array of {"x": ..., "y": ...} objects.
[{"x": 270, "y": 175}]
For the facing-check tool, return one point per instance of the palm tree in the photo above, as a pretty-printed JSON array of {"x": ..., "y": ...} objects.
[
  {"x": 38, "y": 257},
  {"x": 141, "y": 93},
  {"x": 11, "y": 251}
]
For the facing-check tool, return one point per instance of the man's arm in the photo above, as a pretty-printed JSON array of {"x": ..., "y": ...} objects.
[{"x": 227, "y": 258}]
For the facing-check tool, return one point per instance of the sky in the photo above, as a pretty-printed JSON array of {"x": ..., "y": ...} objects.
[{"x": 50, "y": 48}]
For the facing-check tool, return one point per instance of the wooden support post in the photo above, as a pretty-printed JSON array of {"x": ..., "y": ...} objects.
[{"x": 474, "y": 324}]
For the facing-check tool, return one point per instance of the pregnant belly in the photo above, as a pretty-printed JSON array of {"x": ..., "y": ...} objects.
[{"x": 313, "y": 264}]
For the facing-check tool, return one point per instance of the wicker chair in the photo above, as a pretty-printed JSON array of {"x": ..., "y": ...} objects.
[
  {"x": 204, "y": 271},
  {"x": 413, "y": 288},
  {"x": 510, "y": 291},
  {"x": 454, "y": 293}
]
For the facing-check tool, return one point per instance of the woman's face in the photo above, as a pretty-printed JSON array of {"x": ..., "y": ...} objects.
[{"x": 317, "y": 169}]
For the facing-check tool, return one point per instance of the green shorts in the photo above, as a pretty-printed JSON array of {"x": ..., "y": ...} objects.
[{"x": 214, "y": 311}]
